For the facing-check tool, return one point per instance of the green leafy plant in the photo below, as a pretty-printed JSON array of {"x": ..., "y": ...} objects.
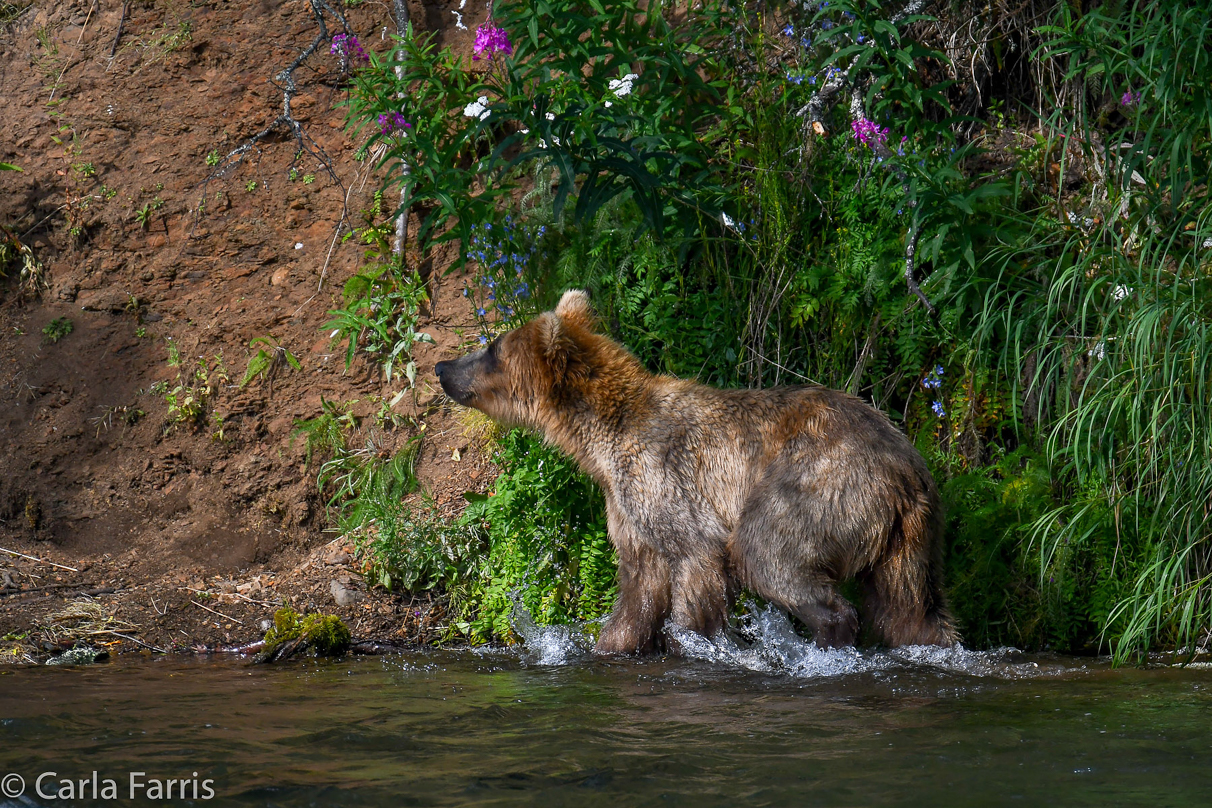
[
  {"x": 57, "y": 329},
  {"x": 325, "y": 434},
  {"x": 190, "y": 400},
  {"x": 380, "y": 312},
  {"x": 547, "y": 543},
  {"x": 269, "y": 359}
]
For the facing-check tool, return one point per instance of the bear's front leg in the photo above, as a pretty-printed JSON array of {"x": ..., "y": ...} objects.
[
  {"x": 700, "y": 595},
  {"x": 634, "y": 627}
]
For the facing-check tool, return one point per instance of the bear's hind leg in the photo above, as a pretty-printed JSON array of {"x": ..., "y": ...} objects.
[
  {"x": 776, "y": 560},
  {"x": 831, "y": 618},
  {"x": 903, "y": 591}
]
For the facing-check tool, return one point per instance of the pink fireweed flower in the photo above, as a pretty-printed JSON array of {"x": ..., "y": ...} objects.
[
  {"x": 348, "y": 50},
  {"x": 868, "y": 131},
  {"x": 393, "y": 122},
  {"x": 491, "y": 40},
  {"x": 1129, "y": 98}
]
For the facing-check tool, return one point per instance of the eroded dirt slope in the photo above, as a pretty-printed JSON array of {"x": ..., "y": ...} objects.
[{"x": 94, "y": 474}]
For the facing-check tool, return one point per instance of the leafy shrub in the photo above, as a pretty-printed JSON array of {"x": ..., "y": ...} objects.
[{"x": 547, "y": 543}]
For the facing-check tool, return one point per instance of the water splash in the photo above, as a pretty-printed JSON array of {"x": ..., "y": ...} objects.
[
  {"x": 549, "y": 645},
  {"x": 765, "y": 641}
]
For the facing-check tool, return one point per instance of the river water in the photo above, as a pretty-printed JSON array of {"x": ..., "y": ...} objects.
[{"x": 772, "y": 722}]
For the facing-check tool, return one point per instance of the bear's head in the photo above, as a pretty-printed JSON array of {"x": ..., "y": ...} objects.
[{"x": 520, "y": 375}]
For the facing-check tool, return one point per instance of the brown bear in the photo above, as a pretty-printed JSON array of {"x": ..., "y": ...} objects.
[{"x": 785, "y": 491}]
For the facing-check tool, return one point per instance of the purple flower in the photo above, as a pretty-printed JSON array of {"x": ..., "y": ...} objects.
[
  {"x": 868, "y": 131},
  {"x": 483, "y": 340},
  {"x": 348, "y": 50},
  {"x": 1129, "y": 99},
  {"x": 481, "y": 313},
  {"x": 393, "y": 122},
  {"x": 491, "y": 40},
  {"x": 938, "y": 409}
]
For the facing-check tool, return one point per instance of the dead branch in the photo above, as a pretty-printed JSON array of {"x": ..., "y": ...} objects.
[
  {"x": 284, "y": 80},
  {"x": 400, "y": 8}
]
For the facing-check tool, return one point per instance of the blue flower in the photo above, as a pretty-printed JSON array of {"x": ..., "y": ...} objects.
[
  {"x": 788, "y": 31},
  {"x": 827, "y": 24},
  {"x": 795, "y": 79},
  {"x": 480, "y": 312},
  {"x": 812, "y": 79},
  {"x": 938, "y": 409},
  {"x": 483, "y": 340}
]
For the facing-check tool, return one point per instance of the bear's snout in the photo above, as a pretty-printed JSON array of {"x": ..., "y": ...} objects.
[{"x": 456, "y": 377}]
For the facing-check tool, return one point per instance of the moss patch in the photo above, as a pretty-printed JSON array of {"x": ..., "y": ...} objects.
[{"x": 293, "y": 634}]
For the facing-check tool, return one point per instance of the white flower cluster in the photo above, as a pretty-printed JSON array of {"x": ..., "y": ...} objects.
[
  {"x": 622, "y": 87},
  {"x": 478, "y": 108}
]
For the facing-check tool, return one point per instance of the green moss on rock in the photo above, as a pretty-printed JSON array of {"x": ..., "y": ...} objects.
[{"x": 293, "y": 634}]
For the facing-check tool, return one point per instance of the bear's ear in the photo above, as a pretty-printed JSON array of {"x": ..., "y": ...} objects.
[
  {"x": 574, "y": 309},
  {"x": 559, "y": 349}
]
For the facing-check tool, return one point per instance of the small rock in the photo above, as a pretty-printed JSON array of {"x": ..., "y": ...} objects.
[
  {"x": 106, "y": 300},
  {"x": 343, "y": 595},
  {"x": 336, "y": 556}
]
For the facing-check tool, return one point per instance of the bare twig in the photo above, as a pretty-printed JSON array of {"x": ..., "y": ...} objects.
[
  {"x": 31, "y": 589},
  {"x": 129, "y": 639},
  {"x": 35, "y": 558},
  {"x": 233, "y": 594},
  {"x": 121, "y": 24},
  {"x": 212, "y": 611},
  {"x": 284, "y": 80},
  {"x": 87, "y": 17}
]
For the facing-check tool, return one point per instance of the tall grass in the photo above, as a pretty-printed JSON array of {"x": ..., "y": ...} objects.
[{"x": 1102, "y": 314}]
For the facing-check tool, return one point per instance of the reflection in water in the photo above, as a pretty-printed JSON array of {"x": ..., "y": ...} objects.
[{"x": 761, "y": 718}]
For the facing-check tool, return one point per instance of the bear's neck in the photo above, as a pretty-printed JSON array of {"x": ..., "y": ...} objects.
[{"x": 604, "y": 419}]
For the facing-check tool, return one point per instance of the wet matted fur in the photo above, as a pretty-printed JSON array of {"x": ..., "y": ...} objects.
[{"x": 785, "y": 491}]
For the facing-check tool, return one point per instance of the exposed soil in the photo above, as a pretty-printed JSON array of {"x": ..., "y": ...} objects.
[{"x": 192, "y": 534}]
